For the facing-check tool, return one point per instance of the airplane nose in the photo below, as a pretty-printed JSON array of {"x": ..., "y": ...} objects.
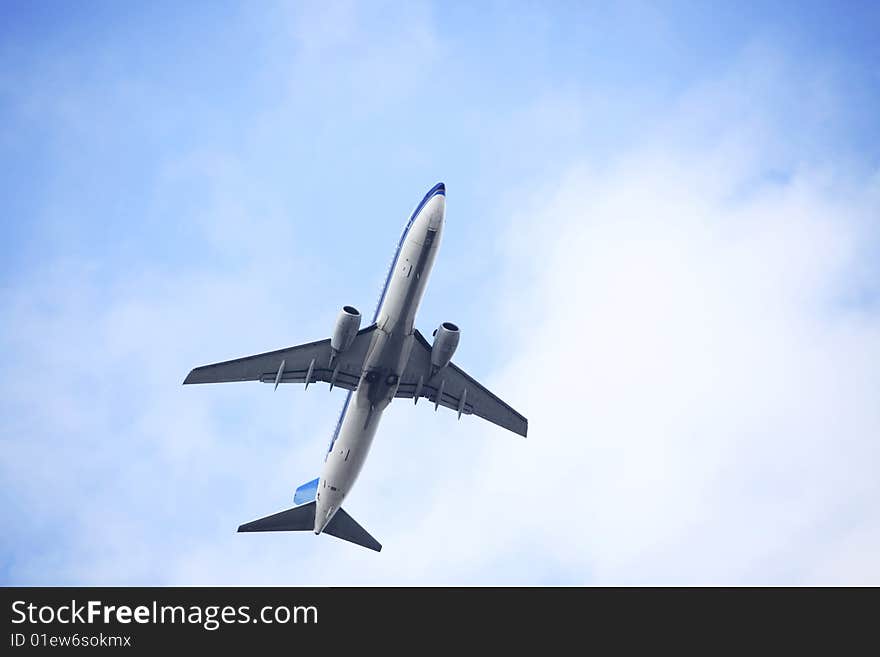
[{"x": 439, "y": 197}]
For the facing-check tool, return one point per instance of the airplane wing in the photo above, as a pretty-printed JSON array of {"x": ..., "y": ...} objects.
[
  {"x": 293, "y": 365},
  {"x": 457, "y": 389}
]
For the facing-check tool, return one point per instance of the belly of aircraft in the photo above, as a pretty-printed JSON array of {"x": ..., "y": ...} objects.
[{"x": 387, "y": 357}]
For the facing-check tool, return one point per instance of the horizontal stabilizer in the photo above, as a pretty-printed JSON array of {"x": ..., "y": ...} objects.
[
  {"x": 344, "y": 526},
  {"x": 297, "y": 519},
  {"x": 302, "y": 519}
]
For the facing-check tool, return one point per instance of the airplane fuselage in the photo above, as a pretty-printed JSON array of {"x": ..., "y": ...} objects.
[{"x": 387, "y": 357}]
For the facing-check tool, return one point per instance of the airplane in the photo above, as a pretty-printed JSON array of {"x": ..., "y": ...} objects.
[{"x": 388, "y": 359}]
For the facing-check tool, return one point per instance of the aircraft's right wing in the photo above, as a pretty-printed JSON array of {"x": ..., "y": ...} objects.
[
  {"x": 305, "y": 363},
  {"x": 453, "y": 388}
]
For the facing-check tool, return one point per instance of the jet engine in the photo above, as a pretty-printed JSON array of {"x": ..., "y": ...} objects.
[
  {"x": 445, "y": 342},
  {"x": 347, "y": 325}
]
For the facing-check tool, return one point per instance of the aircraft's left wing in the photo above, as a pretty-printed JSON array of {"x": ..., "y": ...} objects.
[
  {"x": 305, "y": 363},
  {"x": 453, "y": 388}
]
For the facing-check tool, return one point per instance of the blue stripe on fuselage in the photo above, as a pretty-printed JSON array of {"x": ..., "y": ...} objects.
[{"x": 439, "y": 188}]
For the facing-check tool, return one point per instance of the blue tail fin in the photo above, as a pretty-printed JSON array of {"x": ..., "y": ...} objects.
[{"x": 306, "y": 492}]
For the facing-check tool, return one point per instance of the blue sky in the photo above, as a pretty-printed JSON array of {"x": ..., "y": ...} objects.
[{"x": 661, "y": 246}]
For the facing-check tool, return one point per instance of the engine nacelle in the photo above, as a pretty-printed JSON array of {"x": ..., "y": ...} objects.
[
  {"x": 445, "y": 342},
  {"x": 347, "y": 325}
]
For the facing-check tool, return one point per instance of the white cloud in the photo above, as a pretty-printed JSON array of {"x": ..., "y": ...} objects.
[{"x": 722, "y": 409}]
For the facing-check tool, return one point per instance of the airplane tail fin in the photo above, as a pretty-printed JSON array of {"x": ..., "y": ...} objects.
[
  {"x": 306, "y": 492},
  {"x": 302, "y": 518}
]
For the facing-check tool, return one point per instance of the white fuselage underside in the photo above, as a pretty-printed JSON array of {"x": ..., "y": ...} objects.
[{"x": 386, "y": 359}]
